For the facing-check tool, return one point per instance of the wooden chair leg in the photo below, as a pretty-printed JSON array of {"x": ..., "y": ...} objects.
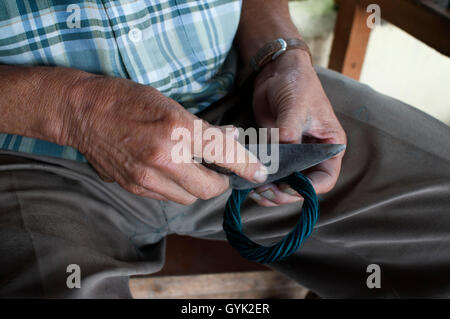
[{"x": 351, "y": 37}]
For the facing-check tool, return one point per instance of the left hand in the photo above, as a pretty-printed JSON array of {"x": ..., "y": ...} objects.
[{"x": 288, "y": 95}]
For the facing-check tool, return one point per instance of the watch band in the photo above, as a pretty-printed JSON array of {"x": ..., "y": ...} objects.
[{"x": 274, "y": 49}]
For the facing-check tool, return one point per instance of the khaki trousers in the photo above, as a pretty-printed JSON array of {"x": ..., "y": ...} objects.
[{"x": 390, "y": 207}]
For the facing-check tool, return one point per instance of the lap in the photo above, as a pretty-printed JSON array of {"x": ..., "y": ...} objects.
[
  {"x": 390, "y": 207},
  {"x": 50, "y": 218}
]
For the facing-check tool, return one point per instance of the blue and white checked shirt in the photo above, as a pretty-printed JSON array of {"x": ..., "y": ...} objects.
[{"x": 180, "y": 47}]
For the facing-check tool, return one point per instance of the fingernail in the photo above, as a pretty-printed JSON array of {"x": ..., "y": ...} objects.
[
  {"x": 269, "y": 194},
  {"x": 255, "y": 196},
  {"x": 290, "y": 191},
  {"x": 261, "y": 175}
]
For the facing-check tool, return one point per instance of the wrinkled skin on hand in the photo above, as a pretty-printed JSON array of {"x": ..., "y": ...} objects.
[
  {"x": 288, "y": 95},
  {"x": 124, "y": 129}
]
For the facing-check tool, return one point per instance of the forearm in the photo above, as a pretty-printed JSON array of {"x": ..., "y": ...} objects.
[
  {"x": 263, "y": 21},
  {"x": 37, "y": 101}
]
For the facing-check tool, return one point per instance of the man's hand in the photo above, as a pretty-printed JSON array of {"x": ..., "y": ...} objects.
[
  {"x": 289, "y": 95},
  {"x": 125, "y": 131}
]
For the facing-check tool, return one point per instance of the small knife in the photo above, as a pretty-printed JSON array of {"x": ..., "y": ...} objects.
[{"x": 292, "y": 158}]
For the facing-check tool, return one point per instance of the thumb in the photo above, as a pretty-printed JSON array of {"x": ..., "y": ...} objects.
[{"x": 289, "y": 121}]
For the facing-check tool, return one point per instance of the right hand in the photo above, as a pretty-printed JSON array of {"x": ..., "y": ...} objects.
[{"x": 124, "y": 130}]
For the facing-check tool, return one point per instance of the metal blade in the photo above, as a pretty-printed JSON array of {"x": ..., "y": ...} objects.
[{"x": 292, "y": 158}]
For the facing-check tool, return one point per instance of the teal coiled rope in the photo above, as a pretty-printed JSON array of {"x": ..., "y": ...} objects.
[{"x": 232, "y": 224}]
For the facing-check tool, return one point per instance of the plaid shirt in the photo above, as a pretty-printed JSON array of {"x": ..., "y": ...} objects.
[{"x": 180, "y": 47}]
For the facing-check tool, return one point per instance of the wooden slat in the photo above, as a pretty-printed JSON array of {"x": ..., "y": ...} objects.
[
  {"x": 241, "y": 285},
  {"x": 351, "y": 37}
]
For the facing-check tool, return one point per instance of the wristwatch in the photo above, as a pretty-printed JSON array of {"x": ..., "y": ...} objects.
[{"x": 274, "y": 49}]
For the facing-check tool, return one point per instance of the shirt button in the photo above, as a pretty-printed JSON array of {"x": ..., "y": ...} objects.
[{"x": 135, "y": 35}]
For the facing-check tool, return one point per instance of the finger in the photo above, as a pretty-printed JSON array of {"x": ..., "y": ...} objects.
[
  {"x": 198, "y": 180},
  {"x": 156, "y": 182},
  {"x": 290, "y": 122},
  {"x": 229, "y": 130},
  {"x": 135, "y": 189},
  {"x": 225, "y": 151},
  {"x": 260, "y": 200},
  {"x": 141, "y": 191},
  {"x": 285, "y": 188},
  {"x": 324, "y": 175},
  {"x": 274, "y": 194},
  {"x": 102, "y": 174}
]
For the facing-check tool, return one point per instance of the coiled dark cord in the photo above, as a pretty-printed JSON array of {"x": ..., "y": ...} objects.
[{"x": 232, "y": 223}]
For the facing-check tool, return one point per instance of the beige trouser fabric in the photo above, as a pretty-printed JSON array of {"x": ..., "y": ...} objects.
[{"x": 390, "y": 207}]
